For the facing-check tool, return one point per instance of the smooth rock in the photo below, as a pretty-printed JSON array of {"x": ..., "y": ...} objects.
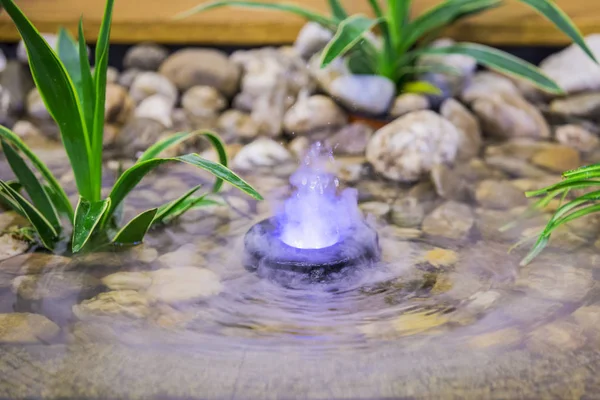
[
  {"x": 549, "y": 280},
  {"x": 556, "y": 336},
  {"x": 147, "y": 84},
  {"x": 313, "y": 113},
  {"x": 325, "y": 76},
  {"x": 27, "y": 131},
  {"x": 407, "y": 213},
  {"x": 507, "y": 116},
  {"x": 409, "y": 146},
  {"x": 156, "y": 107},
  {"x": 11, "y": 246},
  {"x": 3, "y": 61},
  {"x": 128, "y": 281},
  {"x": 203, "y": 101},
  {"x": 145, "y": 56},
  {"x": 6, "y": 116},
  {"x": 16, "y": 83},
  {"x": 9, "y": 219},
  {"x": 370, "y": 94},
  {"x": 299, "y": 146},
  {"x": 25, "y": 328},
  {"x": 572, "y": 69},
  {"x": 183, "y": 285},
  {"x": 499, "y": 195},
  {"x": 577, "y": 137},
  {"x": 448, "y": 184},
  {"x": 261, "y": 153},
  {"x": 311, "y": 39},
  {"x": 36, "y": 107},
  {"x": 485, "y": 84},
  {"x": 557, "y": 158},
  {"x": 50, "y": 38},
  {"x": 408, "y": 102},
  {"x": 192, "y": 67},
  {"x": 351, "y": 140},
  {"x": 112, "y": 75},
  {"x": 137, "y": 135},
  {"x": 237, "y": 124},
  {"x": 269, "y": 109},
  {"x": 450, "y": 220},
  {"x": 128, "y": 76},
  {"x": 375, "y": 208},
  {"x": 582, "y": 105},
  {"x": 118, "y": 106},
  {"x": 55, "y": 284},
  {"x": 116, "y": 304},
  {"x": 185, "y": 256},
  {"x": 467, "y": 125}
]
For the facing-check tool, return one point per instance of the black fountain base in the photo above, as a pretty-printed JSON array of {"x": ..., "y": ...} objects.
[{"x": 271, "y": 258}]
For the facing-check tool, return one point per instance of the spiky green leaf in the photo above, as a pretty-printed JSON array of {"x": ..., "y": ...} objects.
[
  {"x": 337, "y": 10},
  {"x": 88, "y": 92},
  {"x": 135, "y": 230},
  {"x": 166, "y": 211},
  {"x": 68, "y": 52},
  {"x": 349, "y": 33},
  {"x": 88, "y": 217},
  {"x": 41, "y": 200},
  {"x": 423, "y": 87}
]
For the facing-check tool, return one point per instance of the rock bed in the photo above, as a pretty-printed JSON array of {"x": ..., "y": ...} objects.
[{"x": 447, "y": 313}]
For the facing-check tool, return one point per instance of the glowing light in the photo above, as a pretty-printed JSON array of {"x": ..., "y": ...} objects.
[{"x": 315, "y": 216}]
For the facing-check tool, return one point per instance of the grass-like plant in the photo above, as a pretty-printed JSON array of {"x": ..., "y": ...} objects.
[
  {"x": 75, "y": 98},
  {"x": 584, "y": 178},
  {"x": 402, "y": 40}
]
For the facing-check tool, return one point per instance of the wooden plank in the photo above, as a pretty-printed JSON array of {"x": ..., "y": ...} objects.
[{"x": 141, "y": 20}]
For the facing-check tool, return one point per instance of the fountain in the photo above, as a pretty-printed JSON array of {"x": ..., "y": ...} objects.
[{"x": 319, "y": 234}]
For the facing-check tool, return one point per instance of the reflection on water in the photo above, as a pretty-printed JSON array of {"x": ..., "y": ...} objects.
[{"x": 179, "y": 317}]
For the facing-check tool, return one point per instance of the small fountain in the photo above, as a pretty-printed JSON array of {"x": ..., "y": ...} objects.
[{"x": 319, "y": 235}]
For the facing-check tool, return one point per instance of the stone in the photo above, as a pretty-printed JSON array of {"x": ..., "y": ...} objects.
[
  {"x": 451, "y": 220},
  {"x": 269, "y": 109},
  {"x": 156, "y": 107},
  {"x": 3, "y": 61},
  {"x": 476, "y": 170},
  {"x": 313, "y": 113},
  {"x": 376, "y": 209},
  {"x": 577, "y": 137},
  {"x": 112, "y": 75},
  {"x": 299, "y": 146},
  {"x": 351, "y": 140},
  {"x": 408, "y": 102},
  {"x": 11, "y": 245},
  {"x": 128, "y": 76},
  {"x": 137, "y": 135},
  {"x": 16, "y": 83},
  {"x": 183, "y": 285},
  {"x": 440, "y": 258},
  {"x": 192, "y": 67},
  {"x": 370, "y": 94},
  {"x": 547, "y": 279},
  {"x": 467, "y": 125},
  {"x": 145, "y": 56},
  {"x": 50, "y": 38},
  {"x": 6, "y": 116},
  {"x": 10, "y": 219},
  {"x": 311, "y": 39},
  {"x": 203, "y": 101},
  {"x": 35, "y": 105},
  {"x": 118, "y": 106},
  {"x": 448, "y": 184},
  {"x": 31, "y": 264},
  {"x": 450, "y": 84},
  {"x": 185, "y": 256},
  {"x": 407, "y": 213},
  {"x": 325, "y": 76},
  {"x": 238, "y": 124},
  {"x": 127, "y": 304},
  {"x": 55, "y": 284},
  {"x": 515, "y": 167},
  {"x": 128, "y": 281},
  {"x": 556, "y": 336},
  {"x": 27, "y": 131},
  {"x": 261, "y": 153},
  {"x": 485, "y": 84},
  {"x": 506, "y": 337},
  {"x": 147, "y": 84},
  {"x": 582, "y": 105},
  {"x": 26, "y": 328},
  {"x": 410, "y": 145},
  {"x": 500, "y": 195},
  {"x": 557, "y": 158},
  {"x": 572, "y": 69},
  {"x": 508, "y": 116}
]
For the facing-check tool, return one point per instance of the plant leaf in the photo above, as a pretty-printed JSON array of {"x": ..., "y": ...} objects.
[
  {"x": 166, "y": 210},
  {"x": 337, "y": 10},
  {"x": 421, "y": 87},
  {"x": 135, "y": 230},
  {"x": 292, "y": 8},
  {"x": 500, "y": 61},
  {"x": 562, "y": 21},
  {"x": 59, "y": 95},
  {"x": 359, "y": 64},
  {"x": 376, "y": 8},
  {"x": 132, "y": 176},
  {"x": 88, "y": 216},
  {"x": 68, "y": 52},
  {"x": 397, "y": 18},
  {"x": 88, "y": 94},
  {"x": 32, "y": 186},
  {"x": 173, "y": 140},
  {"x": 100, "y": 91},
  {"x": 44, "y": 229},
  {"x": 62, "y": 200},
  {"x": 349, "y": 33},
  {"x": 192, "y": 203}
]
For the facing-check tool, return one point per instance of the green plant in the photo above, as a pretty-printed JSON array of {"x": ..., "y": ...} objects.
[
  {"x": 402, "y": 40},
  {"x": 75, "y": 98},
  {"x": 583, "y": 178}
]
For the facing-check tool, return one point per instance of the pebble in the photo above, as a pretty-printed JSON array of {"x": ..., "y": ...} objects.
[
  {"x": 11, "y": 246},
  {"x": 408, "y": 102},
  {"x": 452, "y": 220},
  {"x": 203, "y": 101},
  {"x": 407, "y": 213},
  {"x": 147, "y": 84},
  {"x": 577, "y": 137},
  {"x": 25, "y": 328},
  {"x": 557, "y": 159},
  {"x": 145, "y": 56},
  {"x": 313, "y": 113},
  {"x": 500, "y": 195}
]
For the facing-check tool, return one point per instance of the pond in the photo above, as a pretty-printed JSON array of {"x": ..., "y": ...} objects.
[{"x": 446, "y": 313}]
